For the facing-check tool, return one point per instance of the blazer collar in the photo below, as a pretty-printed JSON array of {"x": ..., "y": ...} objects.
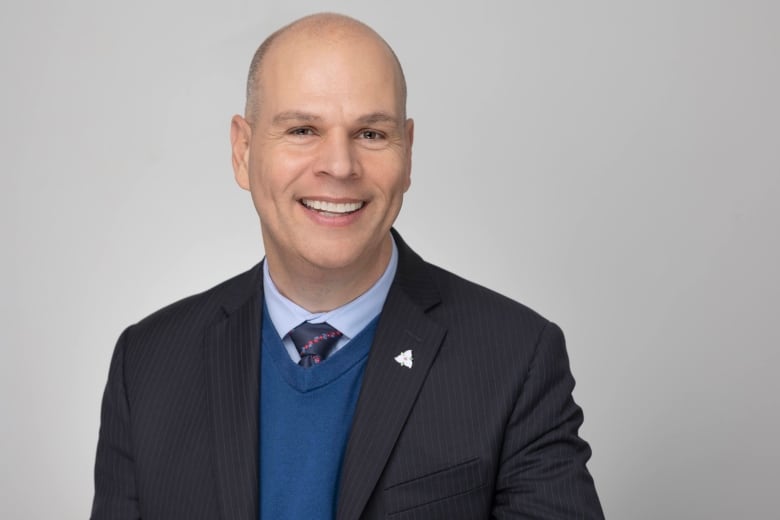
[
  {"x": 413, "y": 276},
  {"x": 232, "y": 358},
  {"x": 389, "y": 389}
]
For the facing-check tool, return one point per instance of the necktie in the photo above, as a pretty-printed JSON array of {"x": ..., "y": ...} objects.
[{"x": 314, "y": 341}]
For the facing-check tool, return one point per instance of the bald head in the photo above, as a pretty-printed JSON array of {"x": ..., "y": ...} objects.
[{"x": 323, "y": 28}]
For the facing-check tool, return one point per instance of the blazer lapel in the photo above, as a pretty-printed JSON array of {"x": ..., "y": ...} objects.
[
  {"x": 389, "y": 389},
  {"x": 232, "y": 355}
]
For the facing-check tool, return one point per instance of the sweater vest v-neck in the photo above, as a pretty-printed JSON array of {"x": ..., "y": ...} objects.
[{"x": 305, "y": 419}]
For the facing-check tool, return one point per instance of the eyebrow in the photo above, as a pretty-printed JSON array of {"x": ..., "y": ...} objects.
[
  {"x": 378, "y": 117},
  {"x": 294, "y": 115},
  {"x": 306, "y": 117}
]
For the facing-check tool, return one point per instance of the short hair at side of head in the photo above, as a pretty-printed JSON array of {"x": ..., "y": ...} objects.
[{"x": 314, "y": 23}]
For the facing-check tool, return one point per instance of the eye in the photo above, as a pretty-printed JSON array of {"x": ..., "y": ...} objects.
[
  {"x": 304, "y": 130},
  {"x": 371, "y": 135}
]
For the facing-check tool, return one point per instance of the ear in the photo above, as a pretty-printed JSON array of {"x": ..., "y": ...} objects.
[
  {"x": 409, "y": 142},
  {"x": 240, "y": 137}
]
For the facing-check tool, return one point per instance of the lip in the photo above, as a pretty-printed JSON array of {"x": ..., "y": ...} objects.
[
  {"x": 325, "y": 218},
  {"x": 335, "y": 207}
]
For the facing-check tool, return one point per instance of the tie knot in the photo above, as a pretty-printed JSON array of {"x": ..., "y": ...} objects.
[{"x": 314, "y": 341}]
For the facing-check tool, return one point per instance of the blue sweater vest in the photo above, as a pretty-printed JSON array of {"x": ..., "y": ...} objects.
[{"x": 305, "y": 418}]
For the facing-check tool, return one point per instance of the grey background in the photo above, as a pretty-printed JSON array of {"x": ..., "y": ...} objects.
[{"x": 612, "y": 164}]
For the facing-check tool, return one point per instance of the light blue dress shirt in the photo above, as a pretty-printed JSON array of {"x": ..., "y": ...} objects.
[{"x": 349, "y": 319}]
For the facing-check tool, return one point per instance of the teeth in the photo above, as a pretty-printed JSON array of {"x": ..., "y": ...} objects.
[{"x": 332, "y": 207}]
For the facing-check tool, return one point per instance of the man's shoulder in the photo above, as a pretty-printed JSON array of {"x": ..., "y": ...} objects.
[
  {"x": 204, "y": 308},
  {"x": 462, "y": 296},
  {"x": 459, "y": 302}
]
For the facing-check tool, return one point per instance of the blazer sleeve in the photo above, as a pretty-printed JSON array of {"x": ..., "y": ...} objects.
[
  {"x": 542, "y": 474},
  {"x": 115, "y": 489}
]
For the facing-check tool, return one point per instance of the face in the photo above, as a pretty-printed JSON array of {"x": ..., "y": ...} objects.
[{"x": 328, "y": 157}]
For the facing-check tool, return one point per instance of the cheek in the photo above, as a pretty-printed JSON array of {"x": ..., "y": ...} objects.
[
  {"x": 403, "y": 183},
  {"x": 277, "y": 173},
  {"x": 264, "y": 188},
  {"x": 388, "y": 171},
  {"x": 264, "y": 179}
]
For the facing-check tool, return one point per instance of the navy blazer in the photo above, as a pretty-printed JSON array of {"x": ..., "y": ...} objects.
[{"x": 482, "y": 426}]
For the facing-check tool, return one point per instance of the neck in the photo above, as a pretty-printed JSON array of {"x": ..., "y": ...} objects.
[{"x": 320, "y": 290}]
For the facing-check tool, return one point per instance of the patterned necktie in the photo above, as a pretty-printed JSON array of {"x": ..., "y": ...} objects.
[{"x": 314, "y": 341}]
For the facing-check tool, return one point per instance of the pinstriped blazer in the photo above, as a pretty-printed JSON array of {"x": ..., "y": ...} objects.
[{"x": 483, "y": 424}]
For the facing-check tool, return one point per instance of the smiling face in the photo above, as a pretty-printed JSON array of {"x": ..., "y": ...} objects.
[{"x": 327, "y": 156}]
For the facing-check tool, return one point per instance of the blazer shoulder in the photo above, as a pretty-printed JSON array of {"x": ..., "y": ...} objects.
[
  {"x": 199, "y": 310},
  {"x": 464, "y": 297}
]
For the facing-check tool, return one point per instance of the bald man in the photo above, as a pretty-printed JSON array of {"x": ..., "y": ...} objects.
[{"x": 341, "y": 377}]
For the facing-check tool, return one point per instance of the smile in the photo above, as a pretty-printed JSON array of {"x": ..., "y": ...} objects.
[{"x": 332, "y": 208}]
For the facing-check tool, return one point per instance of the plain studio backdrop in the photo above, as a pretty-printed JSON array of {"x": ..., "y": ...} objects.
[{"x": 614, "y": 165}]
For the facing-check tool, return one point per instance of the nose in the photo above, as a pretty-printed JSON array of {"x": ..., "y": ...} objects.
[{"x": 336, "y": 156}]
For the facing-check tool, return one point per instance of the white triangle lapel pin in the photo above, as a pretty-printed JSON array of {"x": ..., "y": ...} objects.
[{"x": 405, "y": 359}]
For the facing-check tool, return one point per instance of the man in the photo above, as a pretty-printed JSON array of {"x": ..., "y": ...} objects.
[{"x": 343, "y": 376}]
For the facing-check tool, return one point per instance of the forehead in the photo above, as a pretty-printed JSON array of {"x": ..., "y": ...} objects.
[{"x": 353, "y": 72}]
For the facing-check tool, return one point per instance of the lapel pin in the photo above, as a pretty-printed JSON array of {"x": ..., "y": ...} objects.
[{"x": 404, "y": 359}]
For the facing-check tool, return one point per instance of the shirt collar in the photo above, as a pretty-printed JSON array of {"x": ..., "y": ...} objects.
[{"x": 349, "y": 319}]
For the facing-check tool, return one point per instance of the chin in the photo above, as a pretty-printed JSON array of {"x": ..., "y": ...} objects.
[
  {"x": 335, "y": 262},
  {"x": 345, "y": 254}
]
